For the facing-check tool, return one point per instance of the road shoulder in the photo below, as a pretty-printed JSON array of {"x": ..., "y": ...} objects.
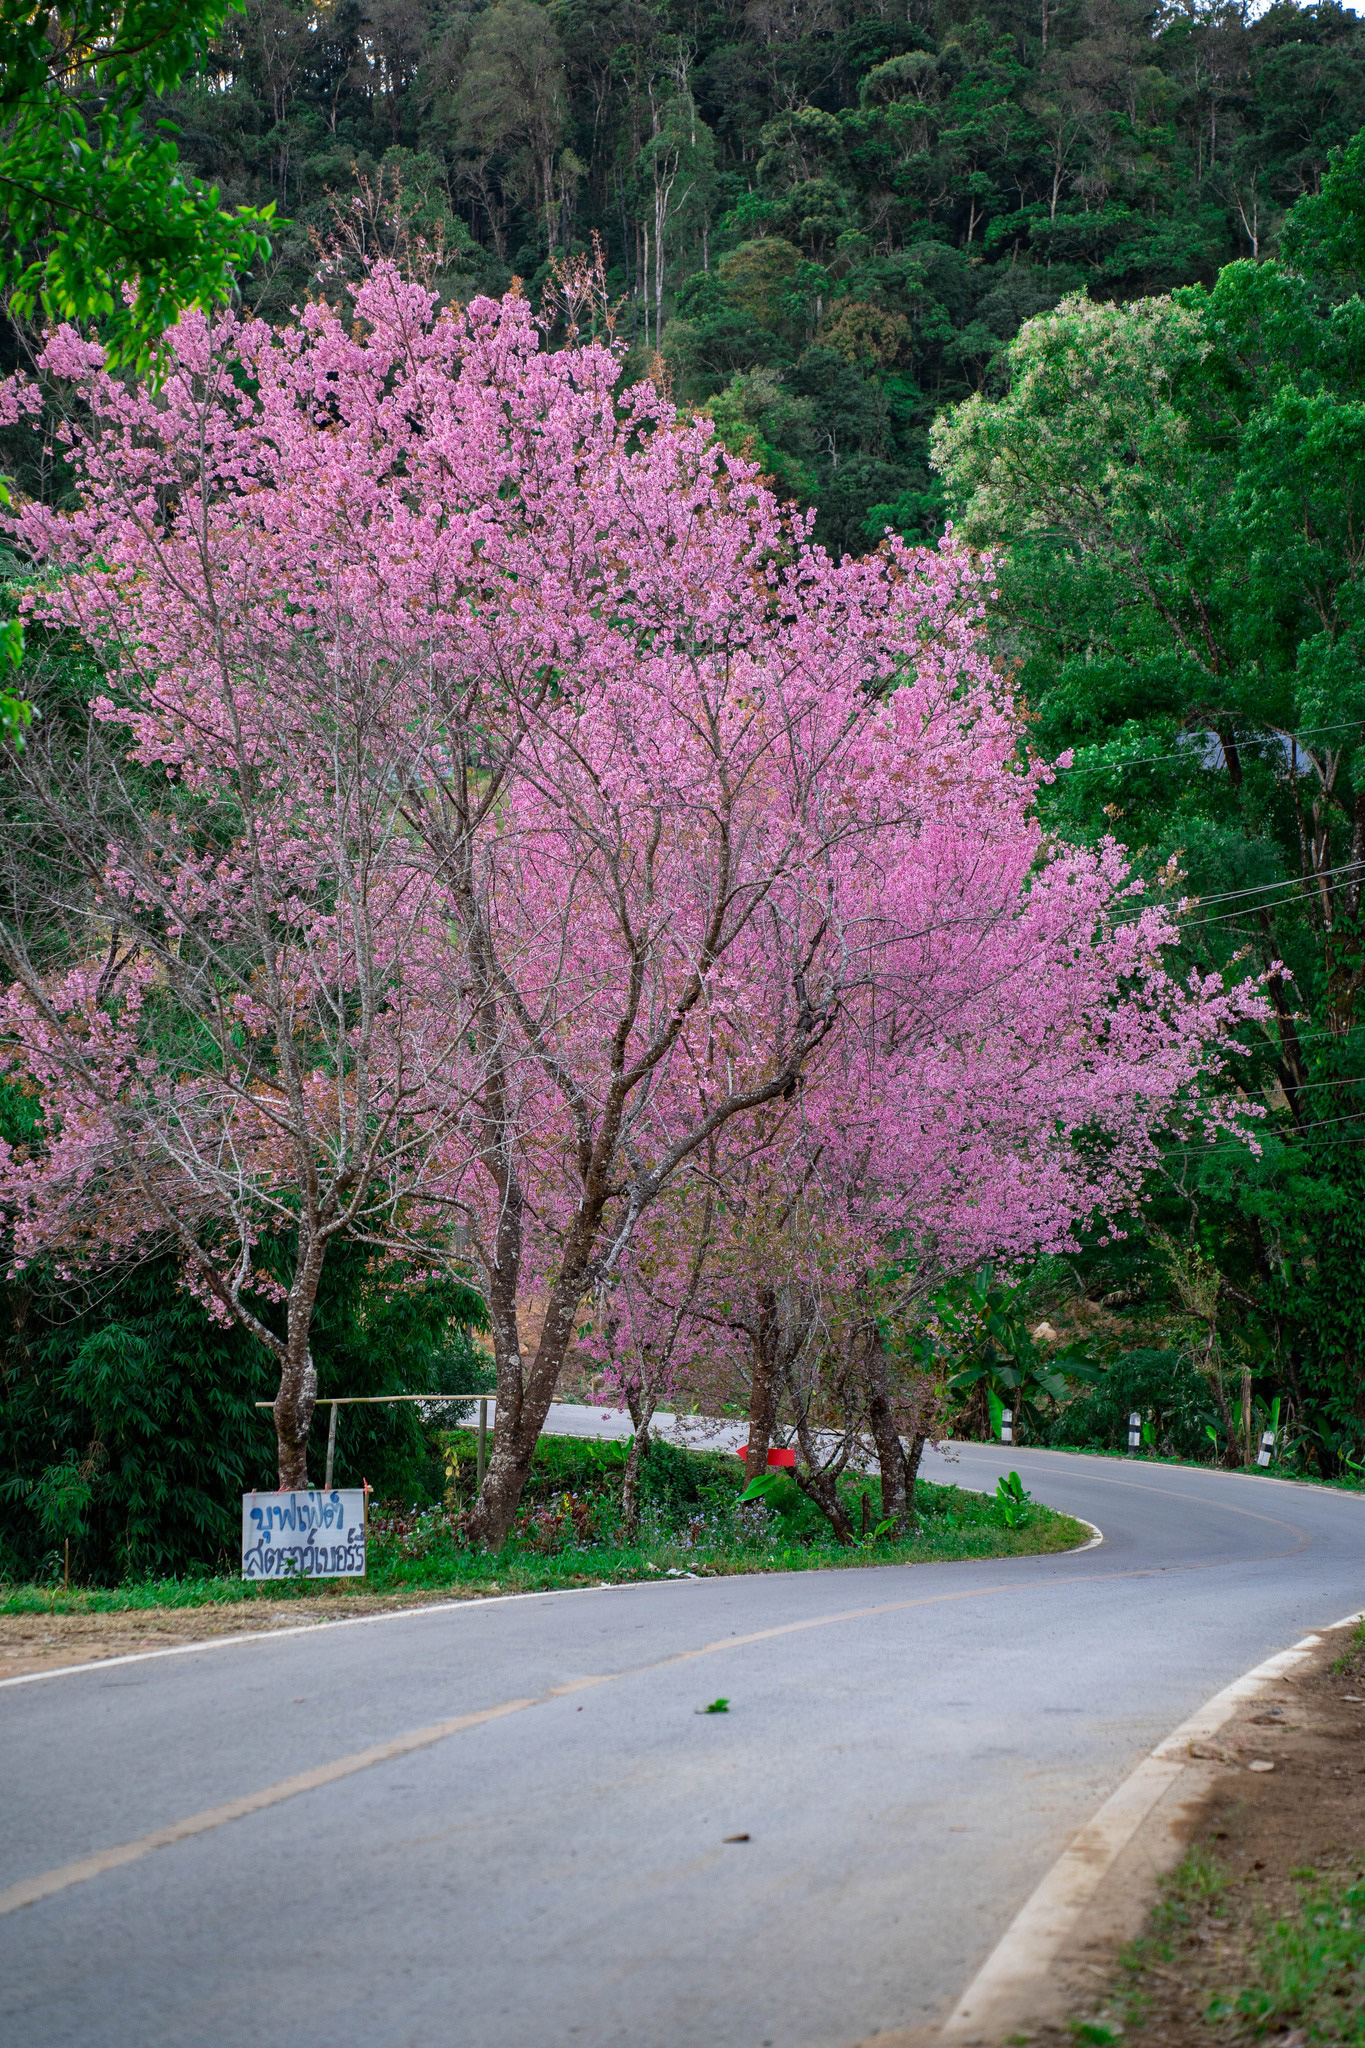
[{"x": 1175, "y": 1934}]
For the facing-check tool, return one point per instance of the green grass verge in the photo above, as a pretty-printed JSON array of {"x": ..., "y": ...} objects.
[
  {"x": 1301, "y": 1976},
  {"x": 1308, "y": 1970},
  {"x": 569, "y": 1534}
]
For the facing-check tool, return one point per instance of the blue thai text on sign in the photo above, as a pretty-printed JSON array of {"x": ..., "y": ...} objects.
[{"x": 312, "y": 1535}]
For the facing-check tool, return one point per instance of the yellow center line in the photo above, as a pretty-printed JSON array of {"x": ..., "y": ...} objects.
[{"x": 29, "y": 1891}]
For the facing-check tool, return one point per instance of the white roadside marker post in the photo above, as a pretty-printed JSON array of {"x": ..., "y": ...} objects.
[
  {"x": 1134, "y": 1433},
  {"x": 1267, "y": 1450},
  {"x": 1007, "y": 1425}
]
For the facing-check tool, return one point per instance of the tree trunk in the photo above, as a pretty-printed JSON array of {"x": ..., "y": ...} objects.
[
  {"x": 912, "y": 1463},
  {"x": 294, "y": 1403},
  {"x": 293, "y": 1412},
  {"x": 641, "y": 1414},
  {"x": 1230, "y": 1429},
  {"x": 817, "y": 1477},
  {"x": 823, "y": 1488},
  {"x": 897, "y": 1480},
  {"x": 763, "y": 1383},
  {"x": 523, "y": 1403}
]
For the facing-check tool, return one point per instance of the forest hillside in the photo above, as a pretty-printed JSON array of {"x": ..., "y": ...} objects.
[{"x": 828, "y": 216}]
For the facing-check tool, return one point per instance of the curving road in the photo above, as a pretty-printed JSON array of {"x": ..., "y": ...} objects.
[{"x": 906, "y": 1752}]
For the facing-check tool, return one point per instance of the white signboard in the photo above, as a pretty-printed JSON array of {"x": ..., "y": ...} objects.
[{"x": 312, "y": 1535}]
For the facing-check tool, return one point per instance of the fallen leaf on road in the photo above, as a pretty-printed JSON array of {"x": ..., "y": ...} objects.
[{"x": 735, "y": 1838}]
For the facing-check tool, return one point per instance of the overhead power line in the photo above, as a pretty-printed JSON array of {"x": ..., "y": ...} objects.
[
  {"x": 1354, "y": 1143},
  {"x": 1190, "y": 754},
  {"x": 1311, "y": 1031},
  {"x": 1291, "y": 887},
  {"x": 1276, "y": 1131},
  {"x": 1338, "y": 1081},
  {"x": 1231, "y": 916},
  {"x": 1288, "y": 882}
]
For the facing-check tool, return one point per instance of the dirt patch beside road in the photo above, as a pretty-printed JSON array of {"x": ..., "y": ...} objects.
[{"x": 49, "y": 1642}]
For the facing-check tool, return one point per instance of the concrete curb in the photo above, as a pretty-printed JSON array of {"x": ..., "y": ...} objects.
[{"x": 1014, "y": 1973}]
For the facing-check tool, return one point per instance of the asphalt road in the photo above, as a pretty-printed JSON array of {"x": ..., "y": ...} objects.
[{"x": 907, "y": 1750}]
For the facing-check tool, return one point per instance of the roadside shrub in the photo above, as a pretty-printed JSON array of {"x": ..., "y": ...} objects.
[
  {"x": 676, "y": 1484},
  {"x": 128, "y": 1430},
  {"x": 1163, "y": 1386},
  {"x": 570, "y": 1522}
]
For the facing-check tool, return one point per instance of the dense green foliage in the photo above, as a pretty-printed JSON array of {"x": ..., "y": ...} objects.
[
  {"x": 569, "y": 1533},
  {"x": 1174, "y": 488},
  {"x": 93, "y": 194},
  {"x": 99, "y": 217},
  {"x": 127, "y": 1428},
  {"x": 1164, "y": 1387},
  {"x": 829, "y": 217}
]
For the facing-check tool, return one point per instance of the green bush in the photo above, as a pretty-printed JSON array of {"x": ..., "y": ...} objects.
[
  {"x": 128, "y": 1429},
  {"x": 1166, "y": 1390},
  {"x": 675, "y": 1483}
]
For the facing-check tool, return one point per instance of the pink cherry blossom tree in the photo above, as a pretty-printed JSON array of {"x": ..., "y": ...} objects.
[
  {"x": 205, "y": 989},
  {"x": 658, "y": 803},
  {"x": 627, "y": 720}
]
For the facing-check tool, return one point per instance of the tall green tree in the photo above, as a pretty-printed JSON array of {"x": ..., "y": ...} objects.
[
  {"x": 99, "y": 220},
  {"x": 1174, "y": 489},
  {"x": 511, "y": 111}
]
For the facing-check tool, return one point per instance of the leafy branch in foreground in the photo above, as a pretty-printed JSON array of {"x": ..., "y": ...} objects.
[{"x": 102, "y": 221}]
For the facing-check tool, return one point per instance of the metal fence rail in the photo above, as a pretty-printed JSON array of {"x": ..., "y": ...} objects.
[{"x": 386, "y": 1400}]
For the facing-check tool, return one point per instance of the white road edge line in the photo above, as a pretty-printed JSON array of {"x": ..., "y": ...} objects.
[
  {"x": 311, "y": 1628},
  {"x": 1023, "y": 1956}
]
